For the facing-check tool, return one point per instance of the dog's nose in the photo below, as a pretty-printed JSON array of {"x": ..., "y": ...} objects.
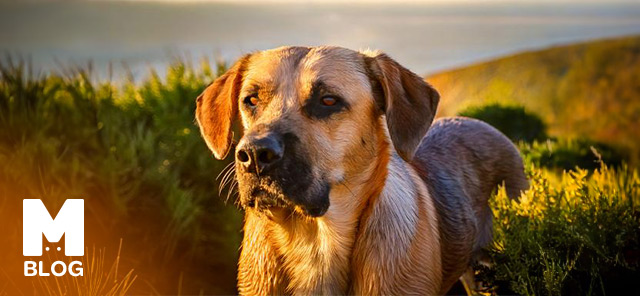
[{"x": 259, "y": 153}]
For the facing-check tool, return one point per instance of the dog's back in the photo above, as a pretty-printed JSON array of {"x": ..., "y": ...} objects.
[{"x": 462, "y": 161}]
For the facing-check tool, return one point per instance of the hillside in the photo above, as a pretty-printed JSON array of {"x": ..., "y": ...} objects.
[{"x": 584, "y": 90}]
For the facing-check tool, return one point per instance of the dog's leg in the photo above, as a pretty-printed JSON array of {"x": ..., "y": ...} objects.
[{"x": 468, "y": 280}]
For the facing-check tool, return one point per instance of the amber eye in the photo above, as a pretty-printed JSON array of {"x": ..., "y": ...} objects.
[
  {"x": 251, "y": 100},
  {"x": 329, "y": 101}
]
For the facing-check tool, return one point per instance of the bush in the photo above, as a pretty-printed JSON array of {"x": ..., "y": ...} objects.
[
  {"x": 133, "y": 152},
  {"x": 513, "y": 121},
  {"x": 569, "y": 154},
  {"x": 579, "y": 237}
]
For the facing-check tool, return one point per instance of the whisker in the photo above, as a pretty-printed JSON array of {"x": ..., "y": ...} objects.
[
  {"x": 228, "y": 176},
  {"x": 223, "y": 175},
  {"x": 223, "y": 171},
  {"x": 232, "y": 190},
  {"x": 231, "y": 176}
]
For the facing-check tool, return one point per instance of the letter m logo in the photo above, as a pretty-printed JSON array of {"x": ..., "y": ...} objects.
[{"x": 37, "y": 221}]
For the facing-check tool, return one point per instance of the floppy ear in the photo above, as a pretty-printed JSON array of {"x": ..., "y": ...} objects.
[
  {"x": 408, "y": 102},
  {"x": 217, "y": 107}
]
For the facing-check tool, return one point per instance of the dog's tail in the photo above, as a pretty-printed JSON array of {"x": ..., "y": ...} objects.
[
  {"x": 509, "y": 171},
  {"x": 516, "y": 181}
]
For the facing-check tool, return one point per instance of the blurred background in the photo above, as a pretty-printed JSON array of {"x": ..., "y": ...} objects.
[
  {"x": 97, "y": 102},
  {"x": 427, "y": 36}
]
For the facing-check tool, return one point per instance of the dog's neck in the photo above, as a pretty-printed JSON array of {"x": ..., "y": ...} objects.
[{"x": 315, "y": 254}]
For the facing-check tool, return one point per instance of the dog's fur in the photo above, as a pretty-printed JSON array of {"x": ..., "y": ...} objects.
[{"x": 369, "y": 198}]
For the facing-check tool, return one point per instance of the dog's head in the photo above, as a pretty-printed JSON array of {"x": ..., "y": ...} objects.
[{"x": 311, "y": 118}]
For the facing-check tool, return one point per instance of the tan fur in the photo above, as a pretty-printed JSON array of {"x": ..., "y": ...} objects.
[{"x": 384, "y": 230}]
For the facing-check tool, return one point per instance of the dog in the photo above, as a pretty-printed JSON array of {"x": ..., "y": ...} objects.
[{"x": 346, "y": 185}]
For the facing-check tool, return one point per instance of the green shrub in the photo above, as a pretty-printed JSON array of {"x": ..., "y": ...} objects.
[
  {"x": 579, "y": 237},
  {"x": 568, "y": 154},
  {"x": 514, "y": 121},
  {"x": 134, "y": 153}
]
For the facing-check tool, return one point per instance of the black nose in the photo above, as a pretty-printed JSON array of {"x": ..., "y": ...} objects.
[{"x": 259, "y": 153}]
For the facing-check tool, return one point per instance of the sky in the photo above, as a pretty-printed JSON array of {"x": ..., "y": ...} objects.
[
  {"x": 399, "y": 2},
  {"x": 426, "y": 38},
  {"x": 394, "y": 1}
]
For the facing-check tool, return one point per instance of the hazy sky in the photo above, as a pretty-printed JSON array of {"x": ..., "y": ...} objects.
[
  {"x": 362, "y": 1},
  {"x": 399, "y": 2},
  {"x": 393, "y": 1},
  {"x": 441, "y": 34}
]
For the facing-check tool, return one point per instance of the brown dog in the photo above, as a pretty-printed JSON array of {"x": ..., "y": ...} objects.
[{"x": 343, "y": 193}]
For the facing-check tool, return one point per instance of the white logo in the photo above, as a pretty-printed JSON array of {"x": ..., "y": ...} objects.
[{"x": 37, "y": 221}]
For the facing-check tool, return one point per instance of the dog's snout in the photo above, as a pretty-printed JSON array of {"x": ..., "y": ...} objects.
[{"x": 260, "y": 153}]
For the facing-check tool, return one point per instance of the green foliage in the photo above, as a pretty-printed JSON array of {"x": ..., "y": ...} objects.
[
  {"x": 566, "y": 154},
  {"x": 583, "y": 90},
  {"x": 135, "y": 155},
  {"x": 529, "y": 131},
  {"x": 513, "y": 121},
  {"x": 578, "y": 237}
]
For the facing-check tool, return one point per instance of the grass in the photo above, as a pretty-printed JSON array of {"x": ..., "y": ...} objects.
[
  {"x": 569, "y": 154},
  {"x": 576, "y": 231},
  {"x": 96, "y": 279},
  {"x": 579, "y": 236},
  {"x": 134, "y": 154},
  {"x": 132, "y": 151}
]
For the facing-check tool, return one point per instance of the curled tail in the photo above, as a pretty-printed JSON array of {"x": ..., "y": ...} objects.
[{"x": 508, "y": 171}]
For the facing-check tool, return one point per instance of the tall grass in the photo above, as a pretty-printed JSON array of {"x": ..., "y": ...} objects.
[
  {"x": 578, "y": 237},
  {"x": 133, "y": 152},
  {"x": 98, "y": 278}
]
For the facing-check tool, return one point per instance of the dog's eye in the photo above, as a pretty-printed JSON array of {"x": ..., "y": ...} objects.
[
  {"x": 324, "y": 106},
  {"x": 329, "y": 101},
  {"x": 251, "y": 100}
]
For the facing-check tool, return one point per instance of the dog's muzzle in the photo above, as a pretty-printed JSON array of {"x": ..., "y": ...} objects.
[{"x": 273, "y": 172}]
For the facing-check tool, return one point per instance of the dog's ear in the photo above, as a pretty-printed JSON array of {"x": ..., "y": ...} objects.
[
  {"x": 217, "y": 107},
  {"x": 408, "y": 102}
]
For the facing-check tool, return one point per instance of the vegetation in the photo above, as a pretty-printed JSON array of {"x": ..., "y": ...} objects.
[
  {"x": 563, "y": 154},
  {"x": 588, "y": 90},
  {"x": 578, "y": 237},
  {"x": 133, "y": 152},
  {"x": 576, "y": 231},
  {"x": 514, "y": 121},
  {"x": 135, "y": 155},
  {"x": 96, "y": 280},
  {"x": 528, "y": 130}
]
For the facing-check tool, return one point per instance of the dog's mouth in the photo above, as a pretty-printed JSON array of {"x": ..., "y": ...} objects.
[
  {"x": 260, "y": 198},
  {"x": 270, "y": 205},
  {"x": 270, "y": 197}
]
